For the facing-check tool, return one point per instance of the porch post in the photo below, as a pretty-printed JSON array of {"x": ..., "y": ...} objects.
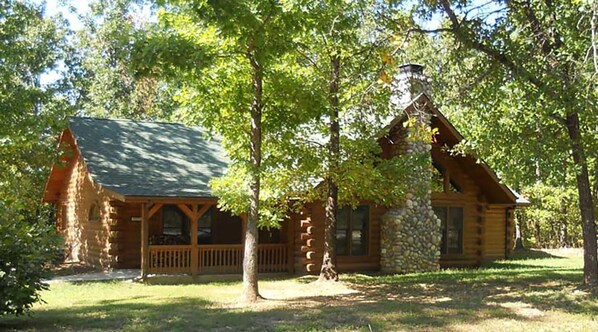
[
  {"x": 194, "y": 248},
  {"x": 144, "y": 241},
  {"x": 290, "y": 242}
]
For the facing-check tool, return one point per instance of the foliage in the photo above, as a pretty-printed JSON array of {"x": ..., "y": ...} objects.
[
  {"x": 211, "y": 59},
  {"x": 31, "y": 114},
  {"x": 27, "y": 244},
  {"x": 349, "y": 32},
  {"x": 552, "y": 219},
  {"x": 518, "y": 78},
  {"x": 233, "y": 94},
  {"x": 102, "y": 64}
]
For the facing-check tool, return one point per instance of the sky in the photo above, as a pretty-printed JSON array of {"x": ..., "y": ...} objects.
[
  {"x": 71, "y": 9},
  {"x": 66, "y": 8}
]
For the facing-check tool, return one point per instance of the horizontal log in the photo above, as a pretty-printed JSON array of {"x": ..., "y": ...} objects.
[
  {"x": 305, "y": 223},
  {"x": 310, "y": 254},
  {"x": 310, "y": 242},
  {"x": 311, "y": 267}
]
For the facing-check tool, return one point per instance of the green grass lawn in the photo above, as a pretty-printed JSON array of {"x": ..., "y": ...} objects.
[{"x": 533, "y": 293}]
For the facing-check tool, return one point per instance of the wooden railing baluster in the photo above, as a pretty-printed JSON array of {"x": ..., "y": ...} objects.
[{"x": 216, "y": 258}]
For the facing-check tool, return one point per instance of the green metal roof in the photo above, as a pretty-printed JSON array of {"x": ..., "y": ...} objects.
[{"x": 154, "y": 159}]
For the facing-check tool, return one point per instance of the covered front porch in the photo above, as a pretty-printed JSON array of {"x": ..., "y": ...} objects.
[{"x": 194, "y": 237}]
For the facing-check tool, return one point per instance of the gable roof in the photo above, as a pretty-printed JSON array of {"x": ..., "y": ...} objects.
[
  {"x": 148, "y": 159},
  {"x": 489, "y": 182},
  {"x": 158, "y": 159}
]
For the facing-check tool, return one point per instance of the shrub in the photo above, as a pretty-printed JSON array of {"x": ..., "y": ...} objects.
[{"x": 26, "y": 246}]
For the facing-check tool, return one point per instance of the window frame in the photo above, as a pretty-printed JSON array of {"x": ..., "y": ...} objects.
[
  {"x": 185, "y": 222},
  {"x": 448, "y": 181},
  {"x": 349, "y": 232},
  {"x": 94, "y": 214}
]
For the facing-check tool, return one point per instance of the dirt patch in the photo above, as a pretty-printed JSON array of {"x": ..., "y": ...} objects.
[{"x": 67, "y": 269}]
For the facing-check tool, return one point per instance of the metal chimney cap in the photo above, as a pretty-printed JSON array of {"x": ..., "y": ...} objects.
[{"x": 412, "y": 68}]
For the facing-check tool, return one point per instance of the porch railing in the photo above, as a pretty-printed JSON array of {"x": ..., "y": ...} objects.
[
  {"x": 216, "y": 259},
  {"x": 170, "y": 259}
]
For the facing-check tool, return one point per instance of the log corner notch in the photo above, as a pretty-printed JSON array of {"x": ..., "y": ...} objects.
[{"x": 307, "y": 242}]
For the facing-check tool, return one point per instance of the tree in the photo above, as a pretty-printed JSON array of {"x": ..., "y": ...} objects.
[
  {"x": 530, "y": 58},
  {"x": 344, "y": 54},
  {"x": 229, "y": 87},
  {"x": 27, "y": 244},
  {"x": 30, "y": 117},
  {"x": 102, "y": 69}
]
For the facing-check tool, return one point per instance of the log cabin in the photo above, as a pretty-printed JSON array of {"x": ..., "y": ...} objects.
[{"x": 134, "y": 194}]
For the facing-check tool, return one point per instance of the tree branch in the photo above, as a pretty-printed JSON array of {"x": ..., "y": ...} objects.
[{"x": 499, "y": 57}]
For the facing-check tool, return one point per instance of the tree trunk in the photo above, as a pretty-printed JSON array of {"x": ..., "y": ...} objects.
[
  {"x": 250, "y": 286},
  {"x": 519, "y": 232},
  {"x": 564, "y": 229},
  {"x": 538, "y": 234},
  {"x": 586, "y": 206},
  {"x": 328, "y": 270}
]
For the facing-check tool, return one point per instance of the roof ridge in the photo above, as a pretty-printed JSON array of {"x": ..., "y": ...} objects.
[{"x": 131, "y": 120}]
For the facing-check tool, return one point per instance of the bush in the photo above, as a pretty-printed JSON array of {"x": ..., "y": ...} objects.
[{"x": 25, "y": 248}]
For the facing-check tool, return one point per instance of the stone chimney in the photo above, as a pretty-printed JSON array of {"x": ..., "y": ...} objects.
[
  {"x": 409, "y": 83},
  {"x": 410, "y": 231}
]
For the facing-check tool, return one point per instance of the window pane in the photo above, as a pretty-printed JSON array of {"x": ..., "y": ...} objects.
[
  {"x": 441, "y": 214},
  {"x": 175, "y": 226},
  {"x": 341, "y": 242},
  {"x": 455, "y": 231},
  {"x": 342, "y": 228},
  {"x": 359, "y": 230},
  {"x": 269, "y": 235},
  {"x": 172, "y": 221},
  {"x": 437, "y": 179},
  {"x": 204, "y": 227},
  {"x": 342, "y": 217}
]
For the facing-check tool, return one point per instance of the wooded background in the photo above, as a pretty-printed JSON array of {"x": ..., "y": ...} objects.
[{"x": 517, "y": 78}]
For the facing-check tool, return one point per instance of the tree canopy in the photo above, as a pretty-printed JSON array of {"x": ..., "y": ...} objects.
[{"x": 523, "y": 85}]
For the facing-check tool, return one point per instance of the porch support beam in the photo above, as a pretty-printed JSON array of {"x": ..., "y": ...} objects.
[
  {"x": 187, "y": 211},
  {"x": 144, "y": 240},
  {"x": 194, "y": 248},
  {"x": 195, "y": 213},
  {"x": 202, "y": 211},
  {"x": 154, "y": 209}
]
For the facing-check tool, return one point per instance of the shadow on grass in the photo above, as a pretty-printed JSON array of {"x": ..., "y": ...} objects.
[
  {"x": 187, "y": 314},
  {"x": 423, "y": 301},
  {"x": 527, "y": 254}
]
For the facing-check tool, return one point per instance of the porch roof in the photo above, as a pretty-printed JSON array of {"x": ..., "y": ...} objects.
[{"x": 137, "y": 158}]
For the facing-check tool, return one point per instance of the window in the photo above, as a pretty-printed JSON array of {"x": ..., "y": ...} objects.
[
  {"x": 442, "y": 181},
  {"x": 352, "y": 236},
  {"x": 204, "y": 228},
  {"x": 94, "y": 212},
  {"x": 452, "y": 229},
  {"x": 453, "y": 187},
  {"x": 174, "y": 221},
  {"x": 437, "y": 178},
  {"x": 271, "y": 235}
]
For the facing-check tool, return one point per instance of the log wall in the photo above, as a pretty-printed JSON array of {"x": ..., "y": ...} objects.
[
  {"x": 88, "y": 241},
  {"x": 308, "y": 242}
]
